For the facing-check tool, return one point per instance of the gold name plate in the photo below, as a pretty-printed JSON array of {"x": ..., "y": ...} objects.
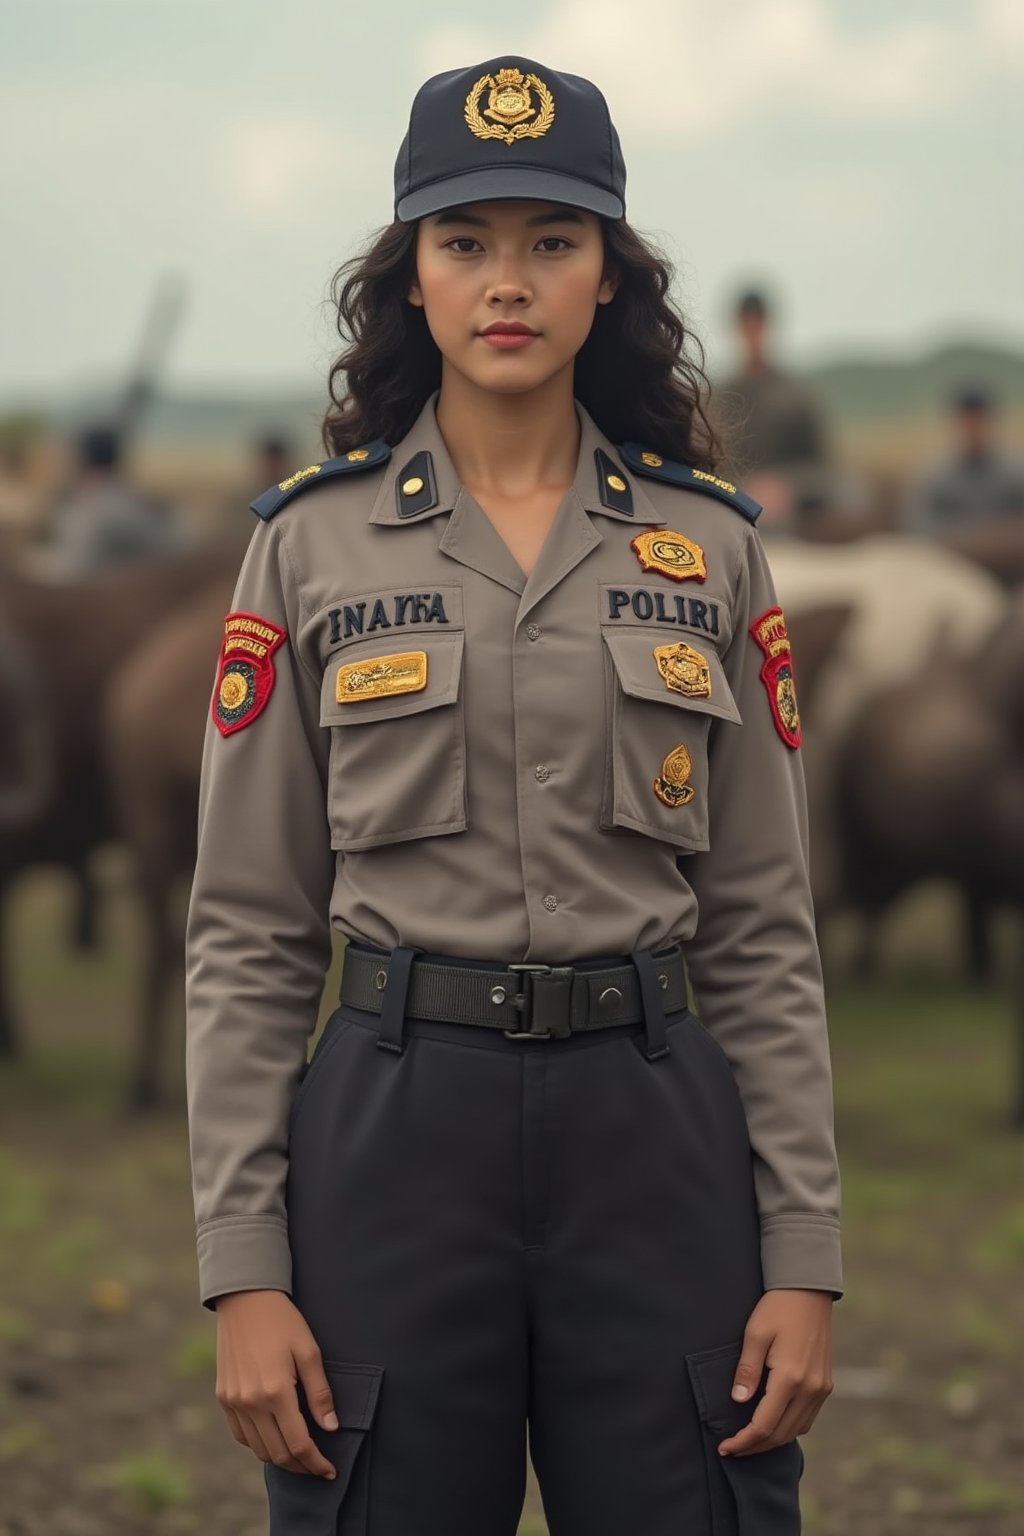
[{"x": 403, "y": 672}]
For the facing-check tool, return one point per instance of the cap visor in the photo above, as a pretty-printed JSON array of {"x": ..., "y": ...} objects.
[{"x": 508, "y": 181}]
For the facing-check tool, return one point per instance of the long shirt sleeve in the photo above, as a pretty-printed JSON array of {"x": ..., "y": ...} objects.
[
  {"x": 754, "y": 963},
  {"x": 258, "y": 937}
]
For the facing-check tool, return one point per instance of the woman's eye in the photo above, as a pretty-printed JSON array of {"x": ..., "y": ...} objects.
[
  {"x": 461, "y": 240},
  {"x": 556, "y": 239}
]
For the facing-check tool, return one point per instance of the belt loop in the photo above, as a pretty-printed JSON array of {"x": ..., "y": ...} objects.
[
  {"x": 650, "y": 997},
  {"x": 392, "y": 1004}
]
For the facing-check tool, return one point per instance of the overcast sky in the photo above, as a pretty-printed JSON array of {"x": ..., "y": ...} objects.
[{"x": 861, "y": 156}]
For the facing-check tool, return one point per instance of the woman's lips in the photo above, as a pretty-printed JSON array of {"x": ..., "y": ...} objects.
[{"x": 508, "y": 341}]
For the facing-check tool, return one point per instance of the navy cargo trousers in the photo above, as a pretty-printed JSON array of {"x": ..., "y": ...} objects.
[{"x": 493, "y": 1237}]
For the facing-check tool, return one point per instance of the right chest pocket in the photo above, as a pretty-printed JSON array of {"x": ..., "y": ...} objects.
[
  {"x": 657, "y": 772},
  {"x": 398, "y": 758}
]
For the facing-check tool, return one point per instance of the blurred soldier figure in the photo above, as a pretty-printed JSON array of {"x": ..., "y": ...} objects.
[
  {"x": 103, "y": 520},
  {"x": 774, "y": 427},
  {"x": 273, "y": 461},
  {"x": 977, "y": 482}
]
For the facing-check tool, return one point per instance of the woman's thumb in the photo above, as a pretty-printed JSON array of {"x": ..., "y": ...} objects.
[{"x": 318, "y": 1395}]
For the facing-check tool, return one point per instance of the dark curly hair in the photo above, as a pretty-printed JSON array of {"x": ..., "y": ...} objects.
[{"x": 640, "y": 372}]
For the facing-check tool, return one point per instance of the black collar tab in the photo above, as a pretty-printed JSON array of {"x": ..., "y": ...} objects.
[
  {"x": 645, "y": 462},
  {"x": 613, "y": 487},
  {"x": 276, "y": 496},
  {"x": 416, "y": 486}
]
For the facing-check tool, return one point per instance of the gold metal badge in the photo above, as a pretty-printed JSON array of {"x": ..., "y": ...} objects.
[
  {"x": 654, "y": 460},
  {"x": 685, "y": 670},
  {"x": 509, "y": 104},
  {"x": 412, "y": 485},
  {"x": 670, "y": 553},
  {"x": 401, "y": 672},
  {"x": 300, "y": 474},
  {"x": 357, "y": 455},
  {"x": 670, "y": 786},
  {"x": 233, "y": 690},
  {"x": 616, "y": 482}
]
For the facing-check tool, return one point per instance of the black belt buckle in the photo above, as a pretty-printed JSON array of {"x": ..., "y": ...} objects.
[{"x": 545, "y": 1001}]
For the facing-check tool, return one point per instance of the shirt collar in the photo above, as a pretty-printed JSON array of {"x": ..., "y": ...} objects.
[{"x": 597, "y": 459}]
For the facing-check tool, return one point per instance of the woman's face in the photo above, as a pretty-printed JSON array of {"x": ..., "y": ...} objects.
[{"x": 537, "y": 265}]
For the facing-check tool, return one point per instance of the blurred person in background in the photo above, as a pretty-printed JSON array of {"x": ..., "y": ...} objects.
[
  {"x": 977, "y": 481},
  {"x": 774, "y": 426},
  {"x": 272, "y": 461},
  {"x": 103, "y": 519}
]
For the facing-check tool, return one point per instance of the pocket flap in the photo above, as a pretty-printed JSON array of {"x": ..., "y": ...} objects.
[
  {"x": 711, "y": 1376},
  {"x": 355, "y": 1389},
  {"x": 698, "y": 668},
  {"x": 305, "y": 1504},
  {"x": 385, "y": 679}
]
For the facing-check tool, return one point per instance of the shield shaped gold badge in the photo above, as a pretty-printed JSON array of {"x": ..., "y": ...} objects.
[{"x": 673, "y": 554}]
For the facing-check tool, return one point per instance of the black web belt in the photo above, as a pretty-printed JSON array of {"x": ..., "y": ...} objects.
[{"x": 526, "y": 1001}]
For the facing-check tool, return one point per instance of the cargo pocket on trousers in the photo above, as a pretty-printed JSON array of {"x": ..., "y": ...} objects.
[
  {"x": 756, "y": 1495},
  {"x": 656, "y": 769},
  {"x": 304, "y": 1504},
  {"x": 398, "y": 740}
]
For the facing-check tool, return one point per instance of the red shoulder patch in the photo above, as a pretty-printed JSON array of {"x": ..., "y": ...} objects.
[
  {"x": 245, "y": 675},
  {"x": 777, "y": 674}
]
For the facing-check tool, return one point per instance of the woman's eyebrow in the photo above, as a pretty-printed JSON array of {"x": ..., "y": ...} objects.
[{"x": 558, "y": 216}]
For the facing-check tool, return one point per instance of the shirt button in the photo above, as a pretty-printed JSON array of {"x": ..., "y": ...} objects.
[
  {"x": 533, "y": 630},
  {"x": 551, "y": 902},
  {"x": 542, "y": 772}
]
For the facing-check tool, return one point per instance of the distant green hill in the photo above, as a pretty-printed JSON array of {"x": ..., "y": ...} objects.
[
  {"x": 872, "y": 389},
  {"x": 854, "y": 392}
]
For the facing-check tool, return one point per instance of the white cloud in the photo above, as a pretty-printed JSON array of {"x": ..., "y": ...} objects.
[
  {"x": 1002, "y": 26},
  {"x": 685, "y": 68},
  {"x": 272, "y": 166}
]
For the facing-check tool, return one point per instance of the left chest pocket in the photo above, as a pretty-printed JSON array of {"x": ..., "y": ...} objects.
[
  {"x": 398, "y": 740},
  {"x": 656, "y": 764}
]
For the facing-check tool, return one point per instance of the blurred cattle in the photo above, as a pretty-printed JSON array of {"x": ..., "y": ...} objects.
[
  {"x": 936, "y": 784},
  {"x": 996, "y": 545},
  {"x": 73, "y": 637},
  {"x": 153, "y": 722},
  {"x": 26, "y": 745},
  {"x": 914, "y": 608}
]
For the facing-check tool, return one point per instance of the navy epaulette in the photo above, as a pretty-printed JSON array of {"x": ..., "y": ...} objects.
[
  {"x": 274, "y": 498},
  {"x": 644, "y": 462}
]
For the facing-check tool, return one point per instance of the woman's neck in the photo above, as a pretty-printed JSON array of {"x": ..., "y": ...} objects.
[{"x": 510, "y": 445}]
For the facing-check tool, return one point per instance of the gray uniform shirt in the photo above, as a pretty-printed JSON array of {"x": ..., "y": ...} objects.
[{"x": 506, "y": 810}]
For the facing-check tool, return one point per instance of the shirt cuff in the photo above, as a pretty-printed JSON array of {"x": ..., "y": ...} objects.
[
  {"x": 243, "y": 1253},
  {"x": 801, "y": 1251}
]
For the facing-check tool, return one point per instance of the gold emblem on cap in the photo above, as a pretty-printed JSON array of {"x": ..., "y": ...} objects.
[
  {"x": 685, "y": 670},
  {"x": 670, "y": 786},
  {"x": 509, "y": 104},
  {"x": 400, "y": 672},
  {"x": 673, "y": 554},
  {"x": 357, "y": 455},
  {"x": 655, "y": 460},
  {"x": 412, "y": 485}
]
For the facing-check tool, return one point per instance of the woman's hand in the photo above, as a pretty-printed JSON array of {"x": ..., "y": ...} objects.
[
  {"x": 791, "y": 1332},
  {"x": 263, "y": 1345}
]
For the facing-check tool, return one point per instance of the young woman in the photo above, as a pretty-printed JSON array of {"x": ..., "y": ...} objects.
[{"x": 506, "y": 697}]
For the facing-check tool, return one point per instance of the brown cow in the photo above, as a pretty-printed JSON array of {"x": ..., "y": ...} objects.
[
  {"x": 153, "y": 722},
  {"x": 74, "y": 636}
]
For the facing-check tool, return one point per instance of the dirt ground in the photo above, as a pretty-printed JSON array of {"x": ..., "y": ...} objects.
[{"x": 108, "y": 1423}]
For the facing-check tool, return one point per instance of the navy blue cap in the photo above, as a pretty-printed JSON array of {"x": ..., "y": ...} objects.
[{"x": 509, "y": 127}]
